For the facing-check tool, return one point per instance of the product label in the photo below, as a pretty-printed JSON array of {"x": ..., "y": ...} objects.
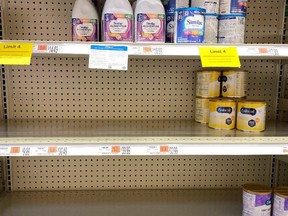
[
  {"x": 256, "y": 205},
  {"x": 150, "y": 27},
  {"x": 280, "y": 206},
  {"x": 222, "y": 116},
  {"x": 202, "y": 110},
  {"x": 251, "y": 117},
  {"x": 190, "y": 27},
  {"x": 84, "y": 29},
  {"x": 171, "y": 5},
  {"x": 170, "y": 28},
  {"x": 231, "y": 29},
  {"x": 211, "y": 29},
  {"x": 234, "y": 84},
  {"x": 117, "y": 27},
  {"x": 233, "y": 6},
  {"x": 208, "y": 84},
  {"x": 212, "y": 6}
]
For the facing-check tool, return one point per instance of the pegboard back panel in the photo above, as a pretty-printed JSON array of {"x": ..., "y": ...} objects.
[
  {"x": 157, "y": 172},
  {"x": 283, "y": 174},
  {"x": 1, "y": 175},
  {"x": 51, "y": 20},
  {"x": 64, "y": 88}
]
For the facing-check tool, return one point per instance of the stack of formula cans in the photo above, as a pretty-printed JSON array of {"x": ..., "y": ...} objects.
[
  {"x": 170, "y": 8},
  {"x": 221, "y": 101},
  {"x": 232, "y": 21},
  {"x": 211, "y": 18}
]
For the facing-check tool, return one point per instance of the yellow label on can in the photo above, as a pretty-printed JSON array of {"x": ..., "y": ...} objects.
[
  {"x": 208, "y": 84},
  {"x": 222, "y": 114},
  {"x": 202, "y": 110},
  {"x": 251, "y": 115},
  {"x": 234, "y": 83}
]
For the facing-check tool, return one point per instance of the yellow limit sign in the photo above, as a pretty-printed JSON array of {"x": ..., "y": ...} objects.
[{"x": 15, "y": 53}]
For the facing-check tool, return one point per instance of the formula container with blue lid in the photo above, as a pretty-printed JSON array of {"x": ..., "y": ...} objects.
[
  {"x": 189, "y": 25},
  {"x": 233, "y": 7},
  {"x": 170, "y": 27},
  {"x": 211, "y": 28}
]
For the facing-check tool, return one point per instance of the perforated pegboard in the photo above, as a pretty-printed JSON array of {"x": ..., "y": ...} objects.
[
  {"x": 1, "y": 175},
  {"x": 282, "y": 174},
  {"x": 150, "y": 89},
  {"x": 51, "y": 20},
  {"x": 86, "y": 173}
]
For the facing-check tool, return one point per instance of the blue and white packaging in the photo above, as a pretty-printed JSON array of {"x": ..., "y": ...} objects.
[
  {"x": 171, "y": 5},
  {"x": 170, "y": 27},
  {"x": 232, "y": 7},
  {"x": 189, "y": 25},
  {"x": 211, "y": 28}
]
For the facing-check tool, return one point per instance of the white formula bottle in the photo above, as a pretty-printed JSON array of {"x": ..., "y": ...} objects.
[
  {"x": 117, "y": 21},
  {"x": 150, "y": 21},
  {"x": 85, "y": 21}
]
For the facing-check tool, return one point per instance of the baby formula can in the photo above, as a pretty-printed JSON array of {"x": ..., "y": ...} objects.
[
  {"x": 202, "y": 110},
  {"x": 231, "y": 28},
  {"x": 233, "y": 7},
  {"x": 208, "y": 84},
  {"x": 222, "y": 114},
  {"x": 211, "y": 28},
  {"x": 280, "y": 201},
  {"x": 234, "y": 83},
  {"x": 169, "y": 27},
  {"x": 189, "y": 25},
  {"x": 251, "y": 115},
  {"x": 256, "y": 200},
  {"x": 211, "y": 6}
]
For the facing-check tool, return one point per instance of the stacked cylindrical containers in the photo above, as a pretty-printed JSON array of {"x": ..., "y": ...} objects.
[
  {"x": 170, "y": 7},
  {"x": 232, "y": 21},
  {"x": 208, "y": 85},
  {"x": 211, "y": 18},
  {"x": 221, "y": 101}
]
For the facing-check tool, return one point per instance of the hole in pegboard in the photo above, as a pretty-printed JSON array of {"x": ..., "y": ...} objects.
[{"x": 157, "y": 172}]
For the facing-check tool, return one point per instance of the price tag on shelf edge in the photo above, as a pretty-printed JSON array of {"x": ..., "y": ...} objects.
[
  {"x": 45, "y": 48},
  {"x": 15, "y": 53},
  {"x": 219, "y": 57},
  {"x": 108, "y": 57}
]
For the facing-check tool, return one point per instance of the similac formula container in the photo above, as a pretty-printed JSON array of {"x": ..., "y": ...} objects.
[
  {"x": 256, "y": 200},
  {"x": 189, "y": 25},
  {"x": 169, "y": 27},
  {"x": 211, "y": 6},
  {"x": 117, "y": 21},
  {"x": 280, "y": 201},
  {"x": 231, "y": 28},
  {"x": 85, "y": 21},
  {"x": 208, "y": 84},
  {"x": 171, "y": 5},
  {"x": 222, "y": 114},
  {"x": 211, "y": 28},
  {"x": 232, "y": 7},
  {"x": 150, "y": 21},
  {"x": 251, "y": 115},
  {"x": 234, "y": 83},
  {"x": 202, "y": 110}
]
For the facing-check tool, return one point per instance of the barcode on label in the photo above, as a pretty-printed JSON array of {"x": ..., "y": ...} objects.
[
  {"x": 26, "y": 151},
  {"x": 157, "y": 51},
  {"x": 62, "y": 151},
  {"x": 274, "y": 52}
]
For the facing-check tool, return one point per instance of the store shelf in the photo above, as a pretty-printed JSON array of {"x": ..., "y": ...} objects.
[
  {"x": 136, "y": 137},
  {"x": 133, "y": 202},
  {"x": 277, "y": 51}
]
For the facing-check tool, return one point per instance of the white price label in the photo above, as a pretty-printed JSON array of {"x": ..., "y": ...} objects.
[
  {"x": 285, "y": 150},
  {"x": 26, "y": 151},
  {"x": 4, "y": 151},
  {"x": 151, "y": 50},
  {"x": 53, "y": 49},
  {"x": 263, "y": 51},
  {"x": 108, "y": 57},
  {"x": 162, "y": 150},
  {"x": 45, "y": 48},
  {"x": 114, "y": 150}
]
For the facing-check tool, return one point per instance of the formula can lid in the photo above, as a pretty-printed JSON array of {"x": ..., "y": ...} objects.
[
  {"x": 257, "y": 189},
  {"x": 281, "y": 191},
  {"x": 251, "y": 102}
]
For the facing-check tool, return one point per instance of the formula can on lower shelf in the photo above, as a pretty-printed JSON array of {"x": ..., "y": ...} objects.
[
  {"x": 280, "y": 201},
  {"x": 208, "y": 84},
  {"x": 189, "y": 25},
  {"x": 231, "y": 28},
  {"x": 202, "y": 110},
  {"x": 170, "y": 27},
  {"x": 251, "y": 115},
  {"x": 211, "y": 28},
  {"x": 234, "y": 83},
  {"x": 233, "y": 7},
  {"x": 256, "y": 200},
  {"x": 222, "y": 114}
]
